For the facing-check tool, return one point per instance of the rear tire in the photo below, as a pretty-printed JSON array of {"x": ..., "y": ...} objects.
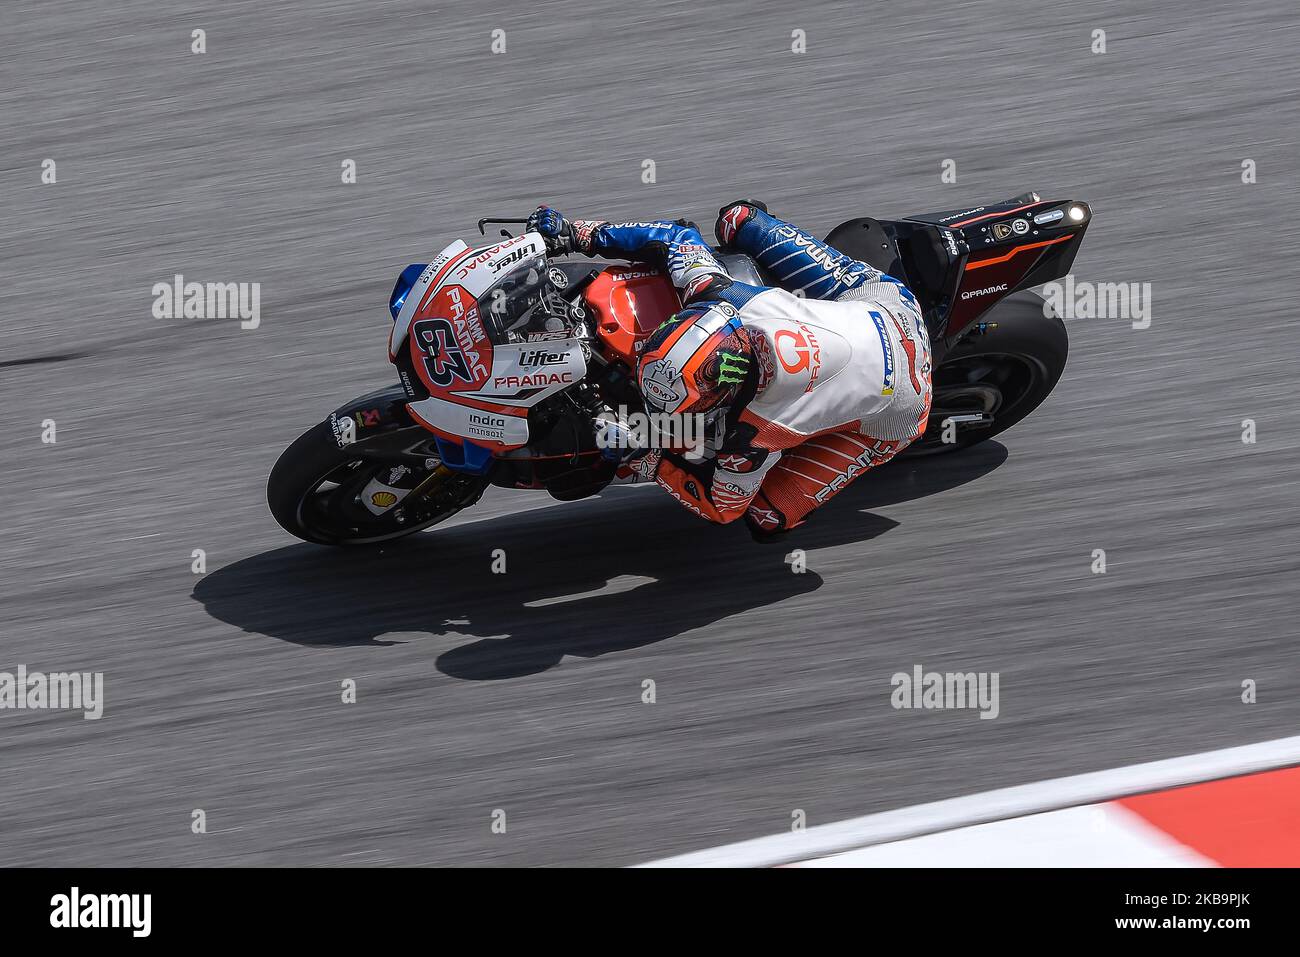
[{"x": 1004, "y": 372}]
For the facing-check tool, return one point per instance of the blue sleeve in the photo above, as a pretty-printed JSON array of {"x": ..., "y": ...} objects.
[
  {"x": 679, "y": 247},
  {"x": 642, "y": 241}
]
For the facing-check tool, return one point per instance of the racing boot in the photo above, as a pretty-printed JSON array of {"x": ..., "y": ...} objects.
[{"x": 731, "y": 217}]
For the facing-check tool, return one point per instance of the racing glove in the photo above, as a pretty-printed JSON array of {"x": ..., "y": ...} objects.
[
  {"x": 556, "y": 231},
  {"x": 616, "y": 441}
]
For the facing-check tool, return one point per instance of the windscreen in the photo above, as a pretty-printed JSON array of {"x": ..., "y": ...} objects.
[{"x": 522, "y": 301}]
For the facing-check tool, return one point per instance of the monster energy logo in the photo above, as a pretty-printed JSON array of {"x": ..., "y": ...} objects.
[{"x": 733, "y": 369}]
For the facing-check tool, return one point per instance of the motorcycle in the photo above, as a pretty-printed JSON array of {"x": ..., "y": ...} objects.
[{"x": 507, "y": 359}]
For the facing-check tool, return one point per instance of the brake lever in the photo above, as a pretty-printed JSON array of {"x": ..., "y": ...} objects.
[{"x": 482, "y": 224}]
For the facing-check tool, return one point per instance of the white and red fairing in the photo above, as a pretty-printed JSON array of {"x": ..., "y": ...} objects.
[{"x": 478, "y": 391}]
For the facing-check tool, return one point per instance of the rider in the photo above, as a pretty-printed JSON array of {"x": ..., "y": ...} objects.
[{"x": 817, "y": 380}]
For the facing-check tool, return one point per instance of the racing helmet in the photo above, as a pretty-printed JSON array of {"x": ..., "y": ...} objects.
[{"x": 696, "y": 362}]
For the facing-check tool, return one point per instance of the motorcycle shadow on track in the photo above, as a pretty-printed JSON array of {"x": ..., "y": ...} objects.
[{"x": 583, "y": 579}]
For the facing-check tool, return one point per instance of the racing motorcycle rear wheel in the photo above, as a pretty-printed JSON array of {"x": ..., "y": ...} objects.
[
  {"x": 315, "y": 489},
  {"x": 995, "y": 375}
]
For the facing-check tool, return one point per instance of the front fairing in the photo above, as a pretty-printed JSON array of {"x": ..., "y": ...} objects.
[{"x": 464, "y": 324}]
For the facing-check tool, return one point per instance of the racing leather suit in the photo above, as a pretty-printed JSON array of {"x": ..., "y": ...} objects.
[{"x": 842, "y": 356}]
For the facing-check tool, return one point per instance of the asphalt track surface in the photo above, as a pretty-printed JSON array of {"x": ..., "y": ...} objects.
[{"x": 522, "y": 691}]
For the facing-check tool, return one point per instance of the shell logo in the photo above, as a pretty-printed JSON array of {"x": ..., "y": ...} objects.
[{"x": 383, "y": 499}]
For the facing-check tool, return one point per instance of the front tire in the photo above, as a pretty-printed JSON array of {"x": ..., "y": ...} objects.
[
  {"x": 314, "y": 493},
  {"x": 1001, "y": 371}
]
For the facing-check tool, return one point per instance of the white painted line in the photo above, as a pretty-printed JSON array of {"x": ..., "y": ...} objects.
[
  {"x": 989, "y": 806},
  {"x": 1094, "y": 835}
]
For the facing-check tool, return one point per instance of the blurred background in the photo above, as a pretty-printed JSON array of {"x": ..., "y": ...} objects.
[{"x": 523, "y": 692}]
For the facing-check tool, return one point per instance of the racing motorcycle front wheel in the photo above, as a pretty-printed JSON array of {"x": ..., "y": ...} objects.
[
  {"x": 995, "y": 375},
  {"x": 318, "y": 489}
]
